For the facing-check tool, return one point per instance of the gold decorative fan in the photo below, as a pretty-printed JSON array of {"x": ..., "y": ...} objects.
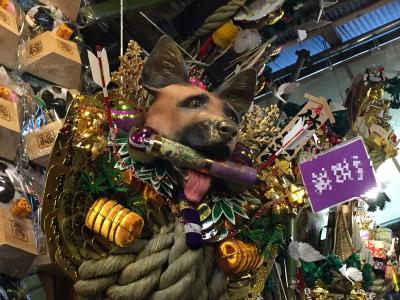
[{"x": 343, "y": 245}]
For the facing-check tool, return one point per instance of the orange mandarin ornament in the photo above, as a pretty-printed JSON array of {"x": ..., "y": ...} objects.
[
  {"x": 237, "y": 257},
  {"x": 4, "y": 93},
  {"x": 21, "y": 208},
  {"x": 64, "y": 32},
  {"x": 114, "y": 222},
  {"x": 4, "y": 3}
]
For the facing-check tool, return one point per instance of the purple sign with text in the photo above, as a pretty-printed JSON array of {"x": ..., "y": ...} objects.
[{"x": 338, "y": 175}]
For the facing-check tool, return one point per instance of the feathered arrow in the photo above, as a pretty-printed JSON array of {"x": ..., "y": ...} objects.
[
  {"x": 296, "y": 136},
  {"x": 101, "y": 76}
]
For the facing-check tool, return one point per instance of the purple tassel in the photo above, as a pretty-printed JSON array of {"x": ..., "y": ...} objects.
[
  {"x": 194, "y": 237},
  {"x": 192, "y": 224}
]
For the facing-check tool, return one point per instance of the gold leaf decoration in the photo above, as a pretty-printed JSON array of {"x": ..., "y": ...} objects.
[
  {"x": 127, "y": 77},
  {"x": 258, "y": 127}
]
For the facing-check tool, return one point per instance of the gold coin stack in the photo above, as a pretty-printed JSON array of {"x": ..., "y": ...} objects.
[
  {"x": 237, "y": 257},
  {"x": 114, "y": 222}
]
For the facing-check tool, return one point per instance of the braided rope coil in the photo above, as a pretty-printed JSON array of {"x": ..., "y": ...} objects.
[
  {"x": 164, "y": 268},
  {"x": 218, "y": 18}
]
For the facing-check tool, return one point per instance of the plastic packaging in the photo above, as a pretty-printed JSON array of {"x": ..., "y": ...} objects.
[
  {"x": 10, "y": 24},
  {"x": 10, "y": 117},
  {"x": 43, "y": 124},
  {"x": 51, "y": 46}
]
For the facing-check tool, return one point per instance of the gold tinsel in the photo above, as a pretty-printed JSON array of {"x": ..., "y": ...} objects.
[
  {"x": 257, "y": 127},
  {"x": 128, "y": 75},
  {"x": 88, "y": 125}
]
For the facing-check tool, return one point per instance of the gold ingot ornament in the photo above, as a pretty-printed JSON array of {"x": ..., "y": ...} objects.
[
  {"x": 319, "y": 292},
  {"x": 114, "y": 222},
  {"x": 357, "y": 293},
  {"x": 237, "y": 257}
]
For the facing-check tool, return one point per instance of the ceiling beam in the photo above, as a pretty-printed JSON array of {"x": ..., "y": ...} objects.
[
  {"x": 359, "y": 12},
  {"x": 375, "y": 5},
  {"x": 348, "y": 49},
  {"x": 329, "y": 33},
  {"x": 110, "y": 9}
]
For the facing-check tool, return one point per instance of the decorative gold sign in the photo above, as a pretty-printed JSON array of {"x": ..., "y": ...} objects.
[
  {"x": 35, "y": 48},
  {"x": 63, "y": 46},
  {"x": 19, "y": 231},
  {"x": 4, "y": 18},
  {"x": 45, "y": 139},
  {"x": 5, "y": 113}
]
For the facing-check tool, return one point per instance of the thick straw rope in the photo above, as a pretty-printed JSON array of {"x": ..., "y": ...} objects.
[
  {"x": 165, "y": 269},
  {"x": 218, "y": 18}
]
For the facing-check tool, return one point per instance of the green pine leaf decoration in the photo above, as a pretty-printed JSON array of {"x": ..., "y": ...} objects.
[
  {"x": 123, "y": 150},
  {"x": 368, "y": 276},
  {"x": 239, "y": 210},
  {"x": 106, "y": 180},
  {"x": 227, "y": 210},
  {"x": 120, "y": 141},
  {"x": 266, "y": 232},
  {"x": 216, "y": 212},
  {"x": 160, "y": 172},
  {"x": 392, "y": 87},
  {"x": 136, "y": 204},
  {"x": 249, "y": 198},
  {"x": 157, "y": 176},
  {"x": 231, "y": 206}
]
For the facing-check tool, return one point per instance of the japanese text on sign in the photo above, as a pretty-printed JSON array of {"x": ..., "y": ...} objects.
[{"x": 342, "y": 173}]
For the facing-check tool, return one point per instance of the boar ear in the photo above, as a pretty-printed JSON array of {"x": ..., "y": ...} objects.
[
  {"x": 164, "y": 66},
  {"x": 239, "y": 90}
]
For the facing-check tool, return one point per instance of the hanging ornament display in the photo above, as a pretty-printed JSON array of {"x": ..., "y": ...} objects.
[
  {"x": 196, "y": 202},
  {"x": 371, "y": 116}
]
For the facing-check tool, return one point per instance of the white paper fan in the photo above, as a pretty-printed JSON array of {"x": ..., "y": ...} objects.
[
  {"x": 324, "y": 4},
  {"x": 301, "y": 35},
  {"x": 305, "y": 252},
  {"x": 258, "y": 9},
  {"x": 352, "y": 274},
  {"x": 285, "y": 89}
]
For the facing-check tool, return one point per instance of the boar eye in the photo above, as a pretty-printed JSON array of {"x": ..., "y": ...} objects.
[{"x": 195, "y": 103}]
